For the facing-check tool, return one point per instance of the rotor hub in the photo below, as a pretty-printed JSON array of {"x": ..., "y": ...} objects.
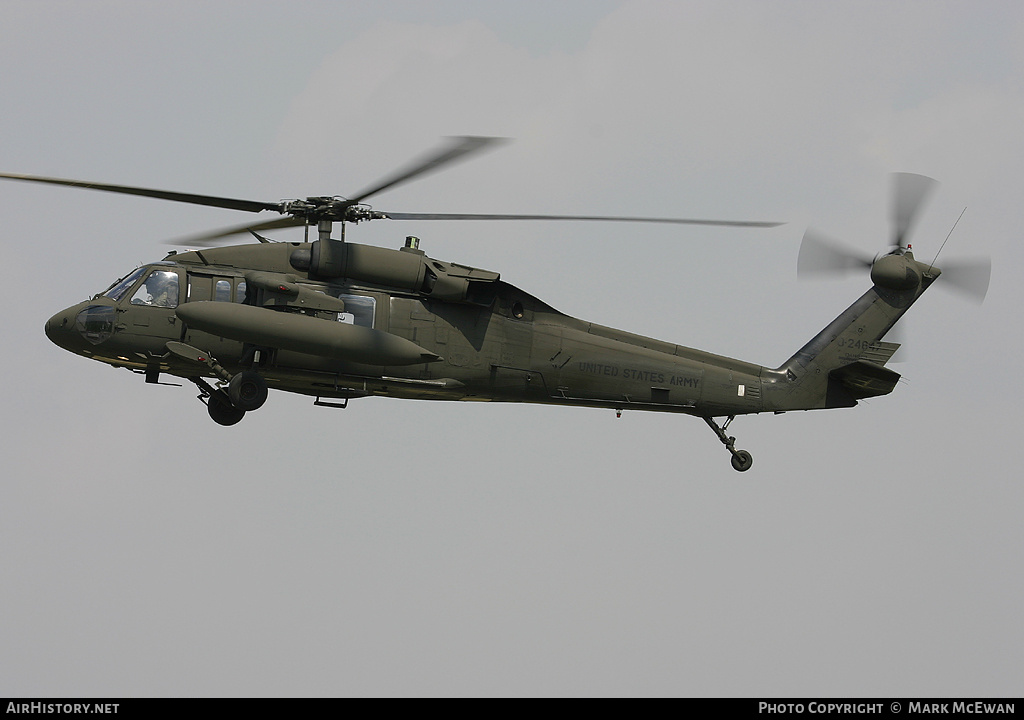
[{"x": 898, "y": 271}]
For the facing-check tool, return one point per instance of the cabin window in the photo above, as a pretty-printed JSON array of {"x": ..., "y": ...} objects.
[
  {"x": 222, "y": 291},
  {"x": 159, "y": 290},
  {"x": 215, "y": 288},
  {"x": 359, "y": 310}
]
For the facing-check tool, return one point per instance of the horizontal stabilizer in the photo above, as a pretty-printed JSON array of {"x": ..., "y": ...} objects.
[{"x": 863, "y": 379}]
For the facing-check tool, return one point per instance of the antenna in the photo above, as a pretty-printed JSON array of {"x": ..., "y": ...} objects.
[{"x": 947, "y": 237}]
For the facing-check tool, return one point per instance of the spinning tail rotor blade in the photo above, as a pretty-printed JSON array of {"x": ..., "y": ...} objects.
[
  {"x": 969, "y": 277},
  {"x": 820, "y": 255},
  {"x": 909, "y": 194}
]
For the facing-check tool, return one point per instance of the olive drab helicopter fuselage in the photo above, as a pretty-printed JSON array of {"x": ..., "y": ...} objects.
[{"x": 336, "y": 320}]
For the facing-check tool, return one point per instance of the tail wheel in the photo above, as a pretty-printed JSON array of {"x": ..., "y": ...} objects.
[
  {"x": 742, "y": 460},
  {"x": 247, "y": 390}
]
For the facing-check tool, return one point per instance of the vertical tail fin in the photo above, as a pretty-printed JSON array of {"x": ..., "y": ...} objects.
[{"x": 845, "y": 362}]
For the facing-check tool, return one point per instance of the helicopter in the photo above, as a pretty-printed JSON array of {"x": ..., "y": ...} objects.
[{"x": 336, "y": 320}]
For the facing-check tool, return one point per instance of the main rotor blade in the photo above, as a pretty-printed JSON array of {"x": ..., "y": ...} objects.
[
  {"x": 210, "y": 238},
  {"x": 970, "y": 277},
  {"x": 598, "y": 218},
  {"x": 210, "y": 200},
  {"x": 458, "y": 149},
  {"x": 909, "y": 193},
  {"x": 820, "y": 255}
]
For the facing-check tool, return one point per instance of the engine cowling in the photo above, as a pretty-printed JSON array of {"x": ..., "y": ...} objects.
[
  {"x": 330, "y": 259},
  {"x": 407, "y": 269}
]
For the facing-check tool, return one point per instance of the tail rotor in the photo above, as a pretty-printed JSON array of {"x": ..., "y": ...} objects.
[
  {"x": 909, "y": 194},
  {"x": 821, "y": 255},
  {"x": 969, "y": 277}
]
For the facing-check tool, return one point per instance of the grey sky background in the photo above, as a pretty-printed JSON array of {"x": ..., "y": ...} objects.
[{"x": 413, "y": 548}]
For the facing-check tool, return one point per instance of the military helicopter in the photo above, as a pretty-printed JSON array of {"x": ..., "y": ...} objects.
[{"x": 336, "y": 320}]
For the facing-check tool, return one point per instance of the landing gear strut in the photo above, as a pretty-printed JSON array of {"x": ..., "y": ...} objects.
[
  {"x": 741, "y": 459},
  {"x": 245, "y": 391}
]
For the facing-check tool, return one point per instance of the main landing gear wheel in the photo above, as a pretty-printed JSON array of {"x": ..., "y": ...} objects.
[
  {"x": 221, "y": 409},
  {"x": 247, "y": 390},
  {"x": 741, "y": 459}
]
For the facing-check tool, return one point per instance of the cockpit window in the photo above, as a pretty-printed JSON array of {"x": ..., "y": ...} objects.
[
  {"x": 118, "y": 289},
  {"x": 159, "y": 290}
]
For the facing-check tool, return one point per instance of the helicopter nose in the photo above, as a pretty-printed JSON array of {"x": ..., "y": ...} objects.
[
  {"x": 60, "y": 328},
  {"x": 80, "y": 328}
]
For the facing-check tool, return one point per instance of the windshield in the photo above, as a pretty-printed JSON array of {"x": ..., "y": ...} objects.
[{"x": 119, "y": 288}]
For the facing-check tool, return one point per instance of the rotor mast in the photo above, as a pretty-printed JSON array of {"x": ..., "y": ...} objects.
[{"x": 324, "y": 229}]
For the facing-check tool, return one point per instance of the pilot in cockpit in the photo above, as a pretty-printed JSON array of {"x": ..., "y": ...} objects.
[{"x": 159, "y": 290}]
